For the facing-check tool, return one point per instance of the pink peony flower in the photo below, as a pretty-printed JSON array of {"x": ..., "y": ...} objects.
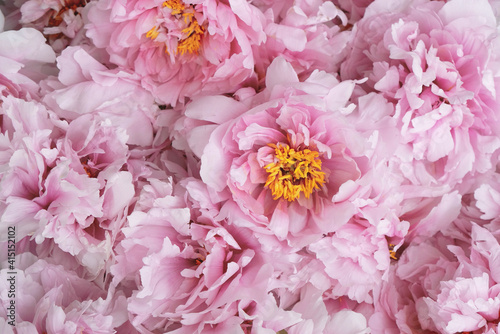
[
  {"x": 443, "y": 285},
  {"x": 187, "y": 272},
  {"x": 180, "y": 49},
  {"x": 292, "y": 161},
  {"x": 90, "y": 168},
  {"x": 356, "y": 259},
  {"x": 436, "y": 62},
  {"x": 24, "y": 60},
  {"x": 70, "y": 189},
  {"x": 27, "y": 155}
]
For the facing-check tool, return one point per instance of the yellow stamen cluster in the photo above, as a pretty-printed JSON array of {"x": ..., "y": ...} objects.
[
  {"x": 176, "y": 6},
  {"x": 294, "y": 172},
  {"x": 193, "y": 31}
]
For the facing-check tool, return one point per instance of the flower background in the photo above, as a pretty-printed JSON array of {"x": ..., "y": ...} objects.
[{"x": 250, "y": 167}]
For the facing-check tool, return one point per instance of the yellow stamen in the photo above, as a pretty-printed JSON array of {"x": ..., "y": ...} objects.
[
  {"x": 153, "y": 33},
  {"x": 193, "y": 28},
  {"x": 188, "y": 17},
  {"x": 392, "y": 252},
  {"x": 192, "y": 43},
  {"x": 176, "y": 6},
  {"x": 294, "y": 172},
  {"x": 193, "y": 32}
]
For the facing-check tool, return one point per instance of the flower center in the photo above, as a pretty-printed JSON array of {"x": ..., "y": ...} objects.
[
  {"x": 294, "y": 172},
  {"x": 190, "y": 41}
]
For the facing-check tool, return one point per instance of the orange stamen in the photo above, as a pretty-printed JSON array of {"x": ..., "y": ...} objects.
[
  {"x": 153, "y": 33},
  {"x": 176, "y": 6},
  {"x": 294, "y": 172}
]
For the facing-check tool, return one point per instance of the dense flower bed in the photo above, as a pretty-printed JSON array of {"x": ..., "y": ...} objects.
[{"x": 250, "y": 166}]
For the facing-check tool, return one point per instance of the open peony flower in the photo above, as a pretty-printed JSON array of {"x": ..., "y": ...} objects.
[
  {"x": 188, "y": 273},
  {"x": 64, "y": 184},
  {"x": 354, "y": 9},
  {"x": 436, "y": 62},
  {"x": 179, "y": 48},
  {"x": 27, "y": 155},
  {"x": 291, "y": 161}
]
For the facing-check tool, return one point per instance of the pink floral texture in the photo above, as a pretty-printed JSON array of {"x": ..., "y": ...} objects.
[
  {"x": 436, "y": 62},
  {"x": 85, "y": 86},
  {"x": 354, "y": 9},
  {"x": 26, "y": 156},
  {"x": 60, "y": 20},
  {"x": 302, "y": 120},
  {"x": 487, "y": 197},
  {"x": 309, "y": 34},
  {"x": 50, "y": 299},
  {"x": 64, "y": 185},
  {"x": 363, "y": 257},
  {"x": 94, "y": 153},
  {"x": 250, "y": 166},
  {"x": 188, "y": 273},
  {"x": 179, "y": 48},
  {"x": 443, "y": 286}
]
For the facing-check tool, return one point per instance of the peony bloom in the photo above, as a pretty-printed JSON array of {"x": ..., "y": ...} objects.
[
  {"x": 27, "y": 155},
  {"x": 436, "y": 61},
  {"x": 470, "y": 301},
  {"x": 187, "y": 272},
  {"x": 92, "y": 157},
  {"x": 291, "y": 162},
  {"x": 356, "y": 259},
  {"x": 180, "y": 49}
]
